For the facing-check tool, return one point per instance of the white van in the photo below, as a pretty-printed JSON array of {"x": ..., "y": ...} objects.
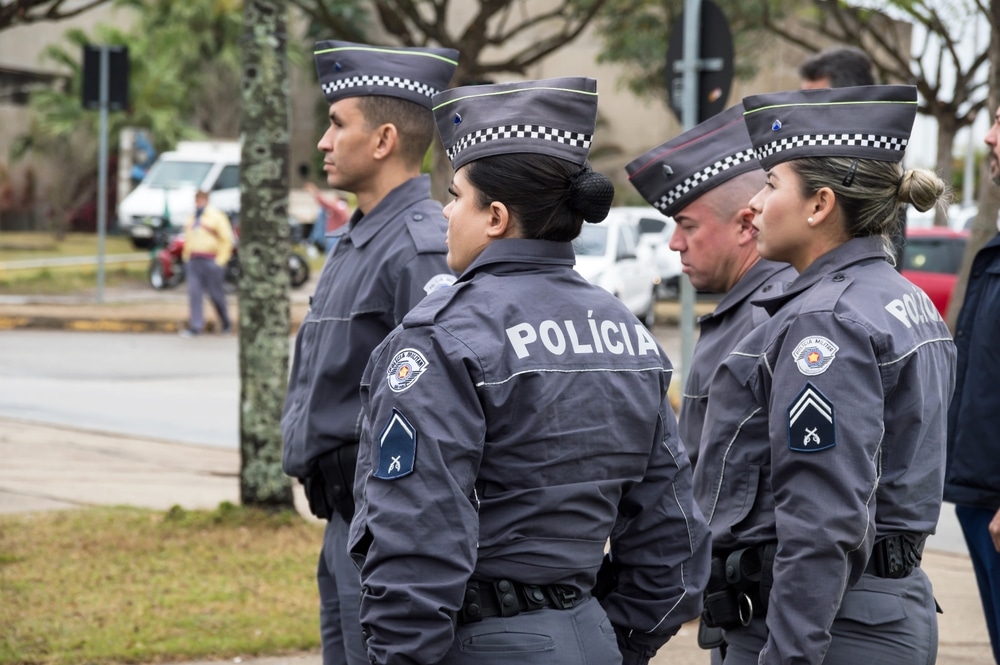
[{"x": 169, "y": 187}]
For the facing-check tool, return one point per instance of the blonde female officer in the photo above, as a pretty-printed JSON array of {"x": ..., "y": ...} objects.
[
  {"x": 822, "y": 455},
  {"x": 518, "y": 420}
]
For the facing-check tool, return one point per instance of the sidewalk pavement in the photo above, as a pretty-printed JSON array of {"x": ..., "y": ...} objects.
[{"x": 51, "y": 468}]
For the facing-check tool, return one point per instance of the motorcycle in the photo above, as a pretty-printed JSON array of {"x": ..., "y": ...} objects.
[{"x": 166, "y": 269}]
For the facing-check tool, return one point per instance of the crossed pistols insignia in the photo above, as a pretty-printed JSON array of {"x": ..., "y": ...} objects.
[
  {"x": 810, "y": 422},
  {"x": 397, "y": 448}
]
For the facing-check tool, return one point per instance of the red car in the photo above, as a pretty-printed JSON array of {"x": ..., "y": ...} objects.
[{"x": 931, "y": 259}]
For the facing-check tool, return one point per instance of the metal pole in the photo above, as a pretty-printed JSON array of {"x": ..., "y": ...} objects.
[
  {"x": 692, "y": 52},
  {"x": 102, "y": 172}
]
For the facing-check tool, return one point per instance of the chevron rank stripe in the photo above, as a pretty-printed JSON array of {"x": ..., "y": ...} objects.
[{"x": 811, "y": 422}]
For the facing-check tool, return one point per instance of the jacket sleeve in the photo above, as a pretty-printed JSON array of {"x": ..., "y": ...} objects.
[
  {"x": 224, "y": 236},
  {"x": 416, "y": 526},
  {"x": 660, "y": 547},
  {"x": 826, "y": 428}
]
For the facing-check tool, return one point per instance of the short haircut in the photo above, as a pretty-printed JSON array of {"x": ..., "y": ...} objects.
[
  {"x": 844, "y": 66},
  {"x": 414, "y": 123}
]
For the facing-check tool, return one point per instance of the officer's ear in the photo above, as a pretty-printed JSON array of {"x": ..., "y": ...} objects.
[
  {"x": 384, "y": 140},
  {"x": 744, "y": 221},
  {"x": 500, "y": 224},
  {"x": 822, "y": 205}
]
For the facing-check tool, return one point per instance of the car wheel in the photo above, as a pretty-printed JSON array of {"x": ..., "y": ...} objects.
[
  {"x": 298, "y": 270},
  {"x": 649, "y": 317},
  {"x": 141, "y": 243},
  {"x": 156, "y": 278}
]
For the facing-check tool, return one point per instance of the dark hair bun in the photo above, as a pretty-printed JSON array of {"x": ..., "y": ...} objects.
[{"x": 591, "y": 194}]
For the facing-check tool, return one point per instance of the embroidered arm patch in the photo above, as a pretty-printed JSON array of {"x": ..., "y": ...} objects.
[
  {"x": 397, "y": 448},
  {"x": 810, "y": 422}
]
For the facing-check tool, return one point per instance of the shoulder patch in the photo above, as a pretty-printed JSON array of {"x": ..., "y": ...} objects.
[
  {"x": 438, "y": 281},
  {"x": 405, "y": 368},
  {"x": 813, "y": 355},
  {"x": 397, "y": 448},
  {"x": 811, "y": 424}
]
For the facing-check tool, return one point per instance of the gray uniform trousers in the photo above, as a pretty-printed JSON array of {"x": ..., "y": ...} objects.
[
  {"x": 339, "y": 582},
  {"x": 885, "y": 621},
  {"x": 203, "y": 275},
  {"x": 582, "y": 635}
]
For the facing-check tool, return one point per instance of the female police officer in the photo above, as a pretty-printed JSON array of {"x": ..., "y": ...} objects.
[
  {"x": 822, "y": 454},
  {"x": 518, "y": 420}
]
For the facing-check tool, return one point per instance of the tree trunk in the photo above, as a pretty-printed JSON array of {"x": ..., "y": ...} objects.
[
  {"x": 264, "y": 283},
  {"x": 945, "y": 166}
]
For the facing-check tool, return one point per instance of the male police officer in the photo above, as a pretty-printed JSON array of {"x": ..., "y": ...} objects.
[
  {"x": 704, "y": 179},
  {"x": 391, "y": 256},
  {"x": 972, "y": 478}
]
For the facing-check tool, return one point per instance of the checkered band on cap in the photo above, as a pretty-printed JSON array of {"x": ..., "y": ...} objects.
[
  {"x": 860, "y": 140},
  {"x": 415, "y": 74},
  {"x": 863, "y": 122},
  {"x": 554, "y": 117},
  {"x": 333, "y": 87},
  {"x": 691, "y": 183},
  {"x": 677, "y": 172},
  {"x": 507, "y": 132}
]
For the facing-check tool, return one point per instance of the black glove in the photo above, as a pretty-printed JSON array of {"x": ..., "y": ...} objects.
[
  {"x": 331, "y": 488},
  {"x": 607, "y": 578},
  {"x": 632, "y": 653}
]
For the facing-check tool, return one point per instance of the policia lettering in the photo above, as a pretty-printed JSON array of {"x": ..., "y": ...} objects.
[{"x": 597, "y": 337}]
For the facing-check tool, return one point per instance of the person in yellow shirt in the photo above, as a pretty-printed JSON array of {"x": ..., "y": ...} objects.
[{"x": 208, "y": 244}]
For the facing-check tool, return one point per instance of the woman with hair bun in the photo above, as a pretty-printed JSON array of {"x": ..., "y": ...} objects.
[
  {"x": 518, "y": 421},
  {"x": 825, "y": 434}
]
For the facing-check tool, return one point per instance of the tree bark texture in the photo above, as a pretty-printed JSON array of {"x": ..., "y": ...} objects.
[{"x": 263, "y": 252}]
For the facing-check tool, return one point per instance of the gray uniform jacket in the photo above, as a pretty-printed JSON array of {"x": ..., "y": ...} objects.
[
  {"x": 825, "y": 431},
  {"x": 719, "y": 332},
  {"x": 515, "y": 422},
  {"x": 383, "y": 265}
]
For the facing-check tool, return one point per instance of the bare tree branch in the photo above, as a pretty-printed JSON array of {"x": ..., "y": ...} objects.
[{"x": 22, "y": 12}]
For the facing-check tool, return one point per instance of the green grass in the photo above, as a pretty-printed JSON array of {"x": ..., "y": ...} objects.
[
  {"x": 66, "y": 279},
  {"x": 27, "y": 245},
  {"x": 125, "y": 585}
]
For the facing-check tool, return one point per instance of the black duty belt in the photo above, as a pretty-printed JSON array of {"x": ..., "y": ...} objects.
[
  {"x": 895, "y": 557},
  {"x": 506, "y": 598}
]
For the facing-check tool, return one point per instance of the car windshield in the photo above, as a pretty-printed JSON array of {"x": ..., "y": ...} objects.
[
  {"x": 942, "y": 255},
  {"x": 173, "y": 174},
  {"x": 592, "y": 241}
]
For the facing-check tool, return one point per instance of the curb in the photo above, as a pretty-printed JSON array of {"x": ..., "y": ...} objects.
[{"x": 107, "y": 325}]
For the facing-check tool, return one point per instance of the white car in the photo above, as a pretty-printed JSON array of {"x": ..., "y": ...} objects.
[
  {"x": 655, "y": 230},
  {"x": 170, "y": 185},
  {"x": 607, "y": 256}
]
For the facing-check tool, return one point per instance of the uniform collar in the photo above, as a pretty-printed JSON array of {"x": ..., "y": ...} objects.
[
  {"x": 520, "y": 251},
  {"x": 759, "y": 272},
  {"x": 365, "y": 227},
  {"x": 855, "y": 250}
]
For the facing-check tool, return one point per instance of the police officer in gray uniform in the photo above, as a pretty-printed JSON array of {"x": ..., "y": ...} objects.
[
  {"x": 704, "y": 179},
  {"x": 391, "y": 256},
  {"x": 821, "y": 468},
  {"x": 518, "y": 420}
]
